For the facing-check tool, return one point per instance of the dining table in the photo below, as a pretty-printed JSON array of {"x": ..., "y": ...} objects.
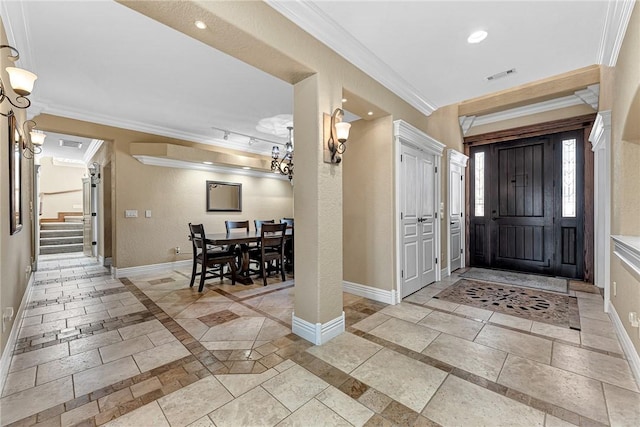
[{"x": 242, "y": 239}]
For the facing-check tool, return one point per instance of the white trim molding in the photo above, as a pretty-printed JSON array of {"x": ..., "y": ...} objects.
[
  {"x": 151, "y": 268},
  {"x": 316, "y": 22},
  {"x": 380, "y": 295},
  {"x": 627, "y": 248},
  {"x": 627, "y": 345},
  {"x": 5, "y": 361},
  {"x": 600, "y": 139},
  {"x": 615, "y": 27},
  {"x": 457, "y": 158},
  {"x": 317, "y": 333}
]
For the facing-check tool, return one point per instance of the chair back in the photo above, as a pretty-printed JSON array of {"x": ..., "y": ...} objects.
[
  {"x": 258, "y": 223},
  {"x": 288, "y": 221},
  {"x": 197, "y": 237},
  {"x": 272, "y": 237},
  {"x": 233, "y": 225}
]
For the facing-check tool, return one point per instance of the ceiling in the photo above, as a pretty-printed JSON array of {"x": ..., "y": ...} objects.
[{"x": 103, "y": 62}]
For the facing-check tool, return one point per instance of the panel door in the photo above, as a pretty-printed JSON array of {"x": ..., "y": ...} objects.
[
  {"x": 87, "y": 235},
  {"x": 410, "y": 176},
  {"x": 427, "y": 221},
  {"x": 456, "y": 216}
]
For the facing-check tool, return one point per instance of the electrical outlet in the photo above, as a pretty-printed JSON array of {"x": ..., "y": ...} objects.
[
  {"x": 177, "y": 250},
  {"x": 7, "y": 316},
  {"x": 633, "y": 319},
  {"x": 615, "y": 289}
]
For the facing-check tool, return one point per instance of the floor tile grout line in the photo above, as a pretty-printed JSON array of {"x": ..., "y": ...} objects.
[
  {"x": 455, "y": 371},
  {"x": 522, "y": 331}
]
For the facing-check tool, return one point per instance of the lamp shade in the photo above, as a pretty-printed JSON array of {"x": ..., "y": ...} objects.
[
  {"x": 21, "y": 80},
  {"x": 37, "y": 137},
  {"x": 342, "y": 131}
]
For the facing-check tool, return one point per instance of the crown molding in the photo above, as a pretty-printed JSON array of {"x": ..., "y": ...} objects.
[
  {"x": 615, "y": 27},
  {"x": 16, "y": 24},
  {"x": 92, "y": 150},
  {"x": 457, "y": 157},
  {"x": 601, "y": 130},
  {"x": 318, "y": 24},
  {"x": 106, "y": 120}
]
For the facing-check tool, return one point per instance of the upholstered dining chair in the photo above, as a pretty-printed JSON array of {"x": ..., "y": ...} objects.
[
  {"x": 209, "y": 258},
  {"x": 271, "y": 248}
]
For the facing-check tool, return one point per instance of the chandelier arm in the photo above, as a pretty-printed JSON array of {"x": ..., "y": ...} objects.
[{"x": 15, "y": 56}]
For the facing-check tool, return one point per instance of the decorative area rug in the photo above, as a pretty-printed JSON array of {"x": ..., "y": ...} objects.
[
  {"x": 517, "y": 279},
  {"x": 546, "y": 307}
]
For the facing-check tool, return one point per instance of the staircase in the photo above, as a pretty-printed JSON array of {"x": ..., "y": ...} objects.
[{"x": 61, "y": 237}]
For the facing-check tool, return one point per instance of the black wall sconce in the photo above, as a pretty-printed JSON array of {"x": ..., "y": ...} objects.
[{"x": 21, "y": 81}]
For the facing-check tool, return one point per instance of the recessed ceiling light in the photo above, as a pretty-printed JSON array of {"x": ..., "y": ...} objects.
[
  {"x": 208, "y": 163},
  {"x": 477, "y": 36},
  {"x": 246, "y": 168},
  {"x": 370, "y": 113},
  {"x": 200, "y": 25},
  {"x": 344, "y": 99}
]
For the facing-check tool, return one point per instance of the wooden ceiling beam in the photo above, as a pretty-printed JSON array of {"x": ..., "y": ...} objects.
[{"x": 530, "y": 93}]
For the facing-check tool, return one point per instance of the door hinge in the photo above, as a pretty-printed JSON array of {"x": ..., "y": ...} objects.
[
  {"x": 94, "y": 214},
  {"x": 436, "y": 215},
  {"x": 402, "y": 274},
  {"x": 94, "y": 243},
  {"x": 93, "y": 185},
  {"x": 401, "y": 215},
  {"x": 461, "y": 178},
  {"x": 400, "y": 157},
  {"x": 461, "y": 214},
  {"x": 436, "y": 169},
  {"x": 461, "y": 251},
  {"x": 436, "y": 260}
]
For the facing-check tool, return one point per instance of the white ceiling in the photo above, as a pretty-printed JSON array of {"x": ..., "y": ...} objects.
[{"x": 101, "y": 61}]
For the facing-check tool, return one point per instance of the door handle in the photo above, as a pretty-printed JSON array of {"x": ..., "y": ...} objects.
[
  {"x": 420, "y": 219},
  {"x": 451, "y": 223},
  {"x": 494, "y": 215}
]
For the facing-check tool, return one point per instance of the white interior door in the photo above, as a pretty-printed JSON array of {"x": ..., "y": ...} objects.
[
  {"x": 87, "y": 235},
  {"x": 456, "y": 216},
  {"x": 418, "y": 219}
]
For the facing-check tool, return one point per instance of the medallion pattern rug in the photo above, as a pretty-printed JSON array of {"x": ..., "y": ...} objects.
[
  {"x": 531, "y": 304},
  {"x": 517, "y": 279}
]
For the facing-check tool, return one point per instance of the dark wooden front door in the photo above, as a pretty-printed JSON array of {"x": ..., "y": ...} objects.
[{"x": 526, "y": 205}]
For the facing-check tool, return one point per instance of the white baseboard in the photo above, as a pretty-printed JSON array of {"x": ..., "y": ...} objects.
[
  {"x": 148, "y": 269},
  {"x": 5, "y": 361},
  {"x": 380, "y": 295},
  {"x": 318, "y": 333},
  {"x": 627, "y": 346}
]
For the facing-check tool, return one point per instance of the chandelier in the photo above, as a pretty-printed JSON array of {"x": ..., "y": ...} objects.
[{"x": 285, "y": 165}]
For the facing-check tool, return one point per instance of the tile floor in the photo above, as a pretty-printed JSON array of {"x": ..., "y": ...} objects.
[{"x": 150, "y": 351}]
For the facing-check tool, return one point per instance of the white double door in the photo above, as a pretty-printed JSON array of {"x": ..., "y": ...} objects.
[{"x": 418, "y": 219}]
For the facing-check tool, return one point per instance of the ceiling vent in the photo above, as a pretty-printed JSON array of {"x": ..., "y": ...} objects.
[
  {"x": 70, "y": 144},
  {"x": 501, "y": 74}
]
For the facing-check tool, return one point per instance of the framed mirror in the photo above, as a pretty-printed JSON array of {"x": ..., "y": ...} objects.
[
  {"x": 224, "y": 196},
  {"x": 15, "y": 175}
]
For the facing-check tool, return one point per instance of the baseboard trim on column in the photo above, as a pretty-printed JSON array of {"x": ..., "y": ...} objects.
[
  {"x": 5, "y": 361},
  {"x": 627, "y": 345},
  {"x": 318, "y": 333},
  {"x": 380, "y": 295}
]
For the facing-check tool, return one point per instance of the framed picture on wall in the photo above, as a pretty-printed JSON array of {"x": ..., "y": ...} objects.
[{"x": 15, "y": 175}]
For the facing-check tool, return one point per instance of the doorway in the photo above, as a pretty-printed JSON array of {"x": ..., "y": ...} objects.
[{"x": 527, "y": 205}]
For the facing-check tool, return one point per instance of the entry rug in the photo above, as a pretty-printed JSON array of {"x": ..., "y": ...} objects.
[
  {"x": 531, "y": 304},
  {"x": 517, "y": 279}
]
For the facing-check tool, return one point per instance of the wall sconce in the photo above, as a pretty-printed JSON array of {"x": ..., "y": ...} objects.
[
  {"x": 33, "y": 140},
  {"x": 21, "y": 82},
  {"x": 94, "y": 172},
  {"x": 336, "y": 133}
]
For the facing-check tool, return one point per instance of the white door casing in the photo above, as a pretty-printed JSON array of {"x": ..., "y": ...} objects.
[
  {"x": 87, "y": 248},
  {"x": 456, "y": 210},
  {"x": 418, "y": 234}
]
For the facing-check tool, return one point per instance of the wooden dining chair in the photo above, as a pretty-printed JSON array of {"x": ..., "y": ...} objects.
[
  {"x": 271, "y": 248},
  {"x": 209, "y": 258},
  {"x": 288, "y": 245},
  {"x": 235, "y": 225},
  {"x": 258, "y": 223}
]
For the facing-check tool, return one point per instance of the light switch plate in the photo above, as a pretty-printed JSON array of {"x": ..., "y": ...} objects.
[
  {"x": 147, "y": 213},
  {"x": 131, "y": 213}
]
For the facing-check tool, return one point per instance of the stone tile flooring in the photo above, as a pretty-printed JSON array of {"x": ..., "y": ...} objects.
[{"x": 150, "y": 351}]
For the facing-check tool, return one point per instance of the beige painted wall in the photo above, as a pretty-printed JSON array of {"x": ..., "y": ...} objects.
[
  {"x": 15, "y": 250},
  {"x": 368, "y": 205},
  {"x": 174, "y": 196},
  {"x": 56, "y": 179},
  {"x": 626, "y": 171}
]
